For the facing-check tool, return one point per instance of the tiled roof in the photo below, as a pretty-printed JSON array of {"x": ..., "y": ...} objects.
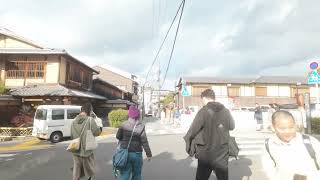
[
  {"x": 258, "y": 80},
  {"x": 52, "y": 90},
  {"x": 120, "y": 101},
  {"x": 217, "y": 80},
  {"x": 281, "y": 80},
  {"x": 31, "y": 51}
]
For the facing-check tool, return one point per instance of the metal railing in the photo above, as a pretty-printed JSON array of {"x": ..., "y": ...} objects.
[{"x": 15, "y": 132}]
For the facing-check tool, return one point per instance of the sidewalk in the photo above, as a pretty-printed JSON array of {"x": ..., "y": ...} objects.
[{"x": 31, "y": 143}]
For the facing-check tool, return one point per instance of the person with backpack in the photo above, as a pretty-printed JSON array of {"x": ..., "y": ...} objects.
[
  {"x": 290, "y": 155},
  {"x": 132, "y": 135},
  {"x": 83, "y": 160},
  {"x": 208, "y": 138}
]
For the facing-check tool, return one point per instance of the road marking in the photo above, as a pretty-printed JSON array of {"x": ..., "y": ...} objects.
[{"x": 7, "y": 155}]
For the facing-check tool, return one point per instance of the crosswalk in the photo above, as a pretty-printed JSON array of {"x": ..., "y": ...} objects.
[
  {"x": 7, "y": 157},
  {"x": 250, "y": 146}
]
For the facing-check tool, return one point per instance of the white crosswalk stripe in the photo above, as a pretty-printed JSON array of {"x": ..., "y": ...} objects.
[
  {"x": 6, "y": 157},
  {"x": 250, "y": 146}
]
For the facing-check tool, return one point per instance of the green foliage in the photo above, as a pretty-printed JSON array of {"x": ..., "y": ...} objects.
[
  {"x": 117, "y": 117},
  {"x": 3, "y": 89},
  {"x": 315, "y": 125},
  {"x": 168, "y": 99}
]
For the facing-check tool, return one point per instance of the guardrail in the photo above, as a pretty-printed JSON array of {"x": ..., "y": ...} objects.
[{"x": 15, "y": 132}]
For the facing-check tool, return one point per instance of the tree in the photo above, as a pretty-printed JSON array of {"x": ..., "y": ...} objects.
[{"x": 168, "y": 99}]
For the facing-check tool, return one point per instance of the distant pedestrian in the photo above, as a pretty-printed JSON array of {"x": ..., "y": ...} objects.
[
  {"x": 139, "y": 140},
  {"x": 208, "y": 138},
  {"x": 83, "y": 160},
  {"x": 258, "y": 117}
]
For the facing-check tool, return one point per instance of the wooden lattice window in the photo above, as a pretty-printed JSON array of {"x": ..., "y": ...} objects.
[
  {"x": 26, "y": 70},
  {"x": 77, "y": 74},
  {"x": 233, "y": 91}
]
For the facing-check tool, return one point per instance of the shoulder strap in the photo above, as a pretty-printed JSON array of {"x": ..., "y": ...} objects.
[
  {"x": 266, "y": 144},
  {"x": 132, "y": 134},
  {"x": 308, "y": 145},
  {"x": 83, "y": 128}
]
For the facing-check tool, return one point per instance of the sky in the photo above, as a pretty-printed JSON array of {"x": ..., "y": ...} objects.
[{"x": 229, "y": 38}]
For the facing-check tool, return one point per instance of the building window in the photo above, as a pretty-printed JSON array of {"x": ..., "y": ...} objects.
[
  {"x": 78, "y": 76},
  {"x": 261, "y": 91},
  {"x": 233, "y": 91},
  {"x": 26, "y": 70},
  {"x": 197, "y": 90}
]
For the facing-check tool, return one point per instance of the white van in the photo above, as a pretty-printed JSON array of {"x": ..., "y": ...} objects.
[{"x": 53, "y": 122}]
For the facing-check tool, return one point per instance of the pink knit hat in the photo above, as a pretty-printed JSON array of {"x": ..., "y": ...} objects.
[{"x": 134, "y": 112}]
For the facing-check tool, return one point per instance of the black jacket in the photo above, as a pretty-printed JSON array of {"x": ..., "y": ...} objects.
[
  {"x": 213, "y": 129},
  {"x": 139, "y": 138}
]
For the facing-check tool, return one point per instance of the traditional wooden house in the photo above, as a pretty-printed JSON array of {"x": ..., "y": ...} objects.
[{"x": 34, "y": 75}]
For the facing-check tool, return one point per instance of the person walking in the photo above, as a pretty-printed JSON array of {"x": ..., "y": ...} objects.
[
  {"x": 83, "y": 160},
  {"x": 258, "y": 117},
  {"x": 288, "y": 154},
  {"x": 139, "y": 140},
  {"x": 208, "y": 137}
]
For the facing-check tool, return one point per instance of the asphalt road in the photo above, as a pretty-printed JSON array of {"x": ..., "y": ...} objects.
[{"x": 169, "y": 162}]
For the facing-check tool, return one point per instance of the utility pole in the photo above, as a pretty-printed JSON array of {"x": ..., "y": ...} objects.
[{"x": 159, "y": 87}]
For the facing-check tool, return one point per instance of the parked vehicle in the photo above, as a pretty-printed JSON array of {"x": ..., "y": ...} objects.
[{"x": 53, "y": 122}]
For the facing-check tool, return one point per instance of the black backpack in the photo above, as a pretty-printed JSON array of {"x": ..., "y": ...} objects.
[
  {"x": 308, "y": 145},
  {"x": 233, "y": 146}
]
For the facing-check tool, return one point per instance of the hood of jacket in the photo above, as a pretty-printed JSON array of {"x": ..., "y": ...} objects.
[
  {"x": 80, "y": 119},
  {"x": 215, "y": 106}
]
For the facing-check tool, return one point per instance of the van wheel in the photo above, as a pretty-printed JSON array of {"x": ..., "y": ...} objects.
[{"x": 56, "y": 137}]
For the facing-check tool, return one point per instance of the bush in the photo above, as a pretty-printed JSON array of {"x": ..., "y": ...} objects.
[
  {"x": 315, "y": 125},
  {"x": 3, "y": 89},
  {"x": 117, "y": 117}
]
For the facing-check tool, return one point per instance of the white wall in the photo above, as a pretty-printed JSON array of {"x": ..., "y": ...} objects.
[
  {"x": 52, "y": 69},
  {"x": 283, "y": 91},
  {"x": 313, "y": 92},
  {"x": 220, "y": 90},
  {"x": 247, "y": 91}
]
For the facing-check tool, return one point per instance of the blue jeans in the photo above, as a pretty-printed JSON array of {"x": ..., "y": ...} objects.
[{"x": 133, "y": 168}]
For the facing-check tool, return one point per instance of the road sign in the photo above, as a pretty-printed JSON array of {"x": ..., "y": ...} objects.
[
  {"x": 185, "y": 91},
  {"x": 313, "y": 65},
  {"x": 314, "y": 78}
]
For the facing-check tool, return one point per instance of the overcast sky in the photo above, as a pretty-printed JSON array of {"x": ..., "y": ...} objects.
[{"x": 231, "y": 38}]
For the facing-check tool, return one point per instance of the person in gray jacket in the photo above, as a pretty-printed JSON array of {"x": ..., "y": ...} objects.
[
  {"x": 83, "y": 160},
  {"x": 139, "y": 141},
  {"x": 208, "y": 138}
]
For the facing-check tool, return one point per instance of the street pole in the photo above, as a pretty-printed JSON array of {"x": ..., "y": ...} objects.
[
  {"x": 317, "y": 89},
  {"x": 143, "y": 111},
  {"x": 159, "y": 87},
  {"x": 308, "y": 112}
]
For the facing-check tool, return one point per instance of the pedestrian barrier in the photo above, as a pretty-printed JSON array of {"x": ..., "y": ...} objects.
[{"x": 15, "y": 132}]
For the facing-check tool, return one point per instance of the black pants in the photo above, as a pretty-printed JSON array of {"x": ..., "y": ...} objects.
[{"x": 204, "y": 171}]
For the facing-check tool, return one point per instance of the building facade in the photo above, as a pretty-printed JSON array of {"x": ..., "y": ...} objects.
[{"x": 245, "y": 92}]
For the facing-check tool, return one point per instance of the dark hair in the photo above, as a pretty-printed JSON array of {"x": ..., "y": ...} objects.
[
  {"x": 87, "y": 108},
  {"x": 280, "y": 115},
  {"x": 208, "y": 93}
]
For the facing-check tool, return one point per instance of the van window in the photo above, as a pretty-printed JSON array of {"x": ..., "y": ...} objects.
[
  {"x": 57, "y": 114},
  {"x": 41, "y": 114},
  {"x": 72, "y": 113}
]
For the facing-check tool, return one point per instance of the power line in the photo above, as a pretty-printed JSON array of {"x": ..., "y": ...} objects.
[
  {"x": 174, "y": 43},
  {"x": 155, "y": 59}
]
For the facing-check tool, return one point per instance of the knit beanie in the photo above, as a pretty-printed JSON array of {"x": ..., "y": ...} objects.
[{"x": 134, "y": 112}]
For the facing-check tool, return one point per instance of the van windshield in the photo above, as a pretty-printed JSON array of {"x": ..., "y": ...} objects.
[{"x": 41, "y": 114}]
